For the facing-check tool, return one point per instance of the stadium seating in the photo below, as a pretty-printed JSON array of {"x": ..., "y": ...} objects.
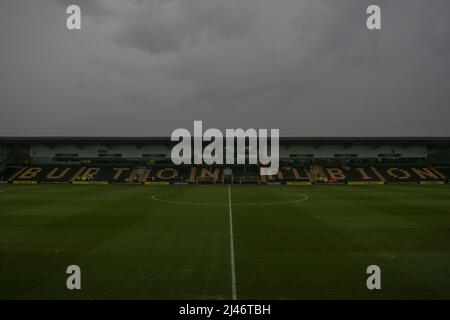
[
  {"x": 410, "y": 174},
  {"x": 442, "y": 171},
  {"x": 358, "y": 174}
]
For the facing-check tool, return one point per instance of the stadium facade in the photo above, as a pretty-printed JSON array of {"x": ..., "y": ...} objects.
[{"x": 94, "y": 160}]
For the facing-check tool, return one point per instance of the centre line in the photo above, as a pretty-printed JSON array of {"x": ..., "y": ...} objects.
[{"x": 233, "y": 272}]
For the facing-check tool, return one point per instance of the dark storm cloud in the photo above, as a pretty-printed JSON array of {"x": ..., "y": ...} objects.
[
  {"x": 165, "y": 26},
  {"x": 307, "y": 67},
  {"x": 90, "y": 7}
]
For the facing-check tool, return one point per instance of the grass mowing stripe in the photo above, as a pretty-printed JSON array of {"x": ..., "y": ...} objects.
[
  {"x": 233, "y": 270},
  {"x": 131, "y": 247}
]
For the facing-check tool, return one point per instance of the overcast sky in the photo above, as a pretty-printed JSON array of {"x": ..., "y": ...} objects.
[{"x": 147, "y": 67}]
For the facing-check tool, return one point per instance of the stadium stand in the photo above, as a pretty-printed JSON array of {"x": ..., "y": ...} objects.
[
  {"x": 442, "y": 171},
  {"x": 215, "y": 175},
  {"x": 147, "y": 161},
  {"x": 409, "y": 174}
]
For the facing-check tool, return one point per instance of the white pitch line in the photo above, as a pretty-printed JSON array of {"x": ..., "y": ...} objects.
[
  {"x": 233, "y": 272},
  {"x": 155, "y": 197},
  {"x": 387, "y": 254}
]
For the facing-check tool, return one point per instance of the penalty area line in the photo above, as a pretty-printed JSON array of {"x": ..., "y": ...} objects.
[{"x": 233, "y": 269}]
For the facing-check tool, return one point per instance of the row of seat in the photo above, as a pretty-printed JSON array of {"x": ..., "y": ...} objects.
[{"x": 235, "y": 174}]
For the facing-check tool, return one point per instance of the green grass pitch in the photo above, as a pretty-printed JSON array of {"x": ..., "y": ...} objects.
[{"x": 173, "y": 242}]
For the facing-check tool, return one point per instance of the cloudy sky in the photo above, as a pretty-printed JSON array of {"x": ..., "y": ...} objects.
[{"x": 147, "y": 67}]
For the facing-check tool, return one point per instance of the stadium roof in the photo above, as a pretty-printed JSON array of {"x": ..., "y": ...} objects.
[{"x": 27, "y": 141}]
